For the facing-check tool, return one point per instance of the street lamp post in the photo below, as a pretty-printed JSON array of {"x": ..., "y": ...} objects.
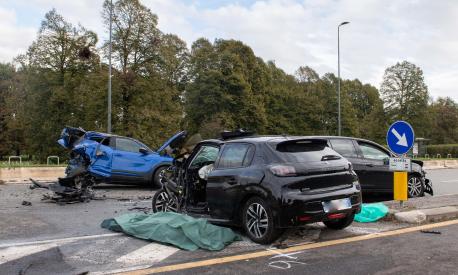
[
  {"x": 109, "y": 73},
  {"x": 338, "y": 76}
]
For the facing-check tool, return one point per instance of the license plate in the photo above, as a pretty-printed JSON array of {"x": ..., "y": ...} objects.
[{"x": 336, "y": 205}]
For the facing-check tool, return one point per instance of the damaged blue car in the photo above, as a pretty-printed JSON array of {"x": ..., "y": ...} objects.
[
  {"x": 105, "y": 158},
  {"x": 116, "y": 159}
]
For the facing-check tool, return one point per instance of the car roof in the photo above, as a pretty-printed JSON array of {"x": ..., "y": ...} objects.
[{"x": 262, "y": 139}]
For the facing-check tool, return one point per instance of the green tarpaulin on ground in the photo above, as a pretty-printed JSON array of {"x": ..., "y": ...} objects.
[
  {"x": 179, "y": 230},
  {"x": 371, "y": 212}
]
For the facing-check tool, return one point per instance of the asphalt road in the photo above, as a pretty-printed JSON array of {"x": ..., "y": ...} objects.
[
  {"x": 400, "y": 253},
  {"x": 445, "y": 181}
]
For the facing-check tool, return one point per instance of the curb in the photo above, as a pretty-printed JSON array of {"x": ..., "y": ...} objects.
[{"x": 426, "y": 215}]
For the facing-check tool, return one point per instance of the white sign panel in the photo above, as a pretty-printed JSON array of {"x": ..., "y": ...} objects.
[{"x": 400, "y": 164}]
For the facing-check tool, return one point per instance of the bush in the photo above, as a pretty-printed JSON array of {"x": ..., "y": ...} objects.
[{"x": 443, "y": 150}]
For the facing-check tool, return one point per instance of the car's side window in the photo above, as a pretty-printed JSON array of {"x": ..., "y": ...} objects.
[
  {"x": 128, "y": 145},
  {"x": 372, "y": 152},
  {"x": 206, "y": 154},
  {"x": 236, "y": 155},
  {"x": 345, "y": 147}
]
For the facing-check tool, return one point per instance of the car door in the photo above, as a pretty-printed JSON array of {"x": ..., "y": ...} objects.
[
  {"x": 102, "y": 158},
  {"x": 348, "y": 148},
  {"x": 377, "y": 174},
  {"x": 129, "y": 164},
  {"x": 226, "y": 180}
]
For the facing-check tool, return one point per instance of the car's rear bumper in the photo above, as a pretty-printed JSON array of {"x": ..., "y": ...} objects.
[{"x": 301, "y": 208}]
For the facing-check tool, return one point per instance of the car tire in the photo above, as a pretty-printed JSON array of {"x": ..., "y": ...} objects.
[
  {"x": 158, "y": 176},
  {"x": 415, "y": 187},
  {"x": 258, "y": 221},
  {"x": 339, "y": 224},
  {"x": 162, "y": 202}
]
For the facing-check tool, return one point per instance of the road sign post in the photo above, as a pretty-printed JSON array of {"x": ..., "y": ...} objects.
[{"x": 400, "y": 139}]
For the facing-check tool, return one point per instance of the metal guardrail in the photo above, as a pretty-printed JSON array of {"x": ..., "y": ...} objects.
[
  {"x": 52, "y": 157},
  {"x": 449, "y": 156},
  {"x": 438, "y": 156},
  {"x": 14, "y": 157},
  {"x": 426, "y": 156}
]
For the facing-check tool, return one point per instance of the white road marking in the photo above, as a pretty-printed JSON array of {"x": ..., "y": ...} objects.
[
  {"x": 151, "y": 253},
  {"x": 449, "y": 181},
  {"x": 63, "y": 240},
  {"x": 121, "y": 270},
  {"x": 13, "y": 253}
]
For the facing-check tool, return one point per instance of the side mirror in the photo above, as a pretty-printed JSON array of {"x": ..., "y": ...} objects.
[{"x": 144, "y": 151}]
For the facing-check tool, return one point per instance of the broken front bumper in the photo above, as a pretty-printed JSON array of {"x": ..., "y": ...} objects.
[{"x": 429, "y": 187}]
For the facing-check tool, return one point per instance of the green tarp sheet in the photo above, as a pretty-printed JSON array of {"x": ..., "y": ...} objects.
[
  {"x": 371, "y": 212},
  {"x": 179, "y": 230}
]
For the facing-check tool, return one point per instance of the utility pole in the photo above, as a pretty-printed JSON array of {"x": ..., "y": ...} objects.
[
  {"x": 109, "y": 73},
  {"x": 339, "y": 131}
]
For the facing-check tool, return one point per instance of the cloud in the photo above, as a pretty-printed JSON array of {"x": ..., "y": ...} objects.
[
  {"x": 15, "y": 40},
  {"x": 295, "y": 33}
]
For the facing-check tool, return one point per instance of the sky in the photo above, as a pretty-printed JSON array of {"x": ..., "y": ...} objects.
[{"x": 292, "y": 33}]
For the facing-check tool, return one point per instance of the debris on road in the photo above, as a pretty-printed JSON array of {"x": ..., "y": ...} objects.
[
  {"x": 26, "y": 203},
  {"x": 142, "y": 198},
  {"x": 177, "y": 229},
  {"x": 66, "y": 190},
  {"x": 142, "y": 209},
  {"x": 371, "y": 212},
  {"x": 431, "y": 232}
]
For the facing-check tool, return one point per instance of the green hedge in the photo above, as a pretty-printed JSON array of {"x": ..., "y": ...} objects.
[{"x": 443, "y": 150}]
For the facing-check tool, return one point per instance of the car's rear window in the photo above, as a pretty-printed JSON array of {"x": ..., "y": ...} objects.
[{"x": 302, "y": 150}]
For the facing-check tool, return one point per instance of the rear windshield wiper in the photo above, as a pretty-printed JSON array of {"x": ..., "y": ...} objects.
[{"x": 330, "y": 157}]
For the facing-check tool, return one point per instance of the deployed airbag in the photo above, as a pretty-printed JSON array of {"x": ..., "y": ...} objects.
[{"x": 179, "y": 230}]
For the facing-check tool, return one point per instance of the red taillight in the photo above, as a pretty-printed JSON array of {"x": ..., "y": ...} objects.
[
  {"x": 304, "y": 218},
  {"x": 336, "y": 216},
  {"x": 283, "y": 170}
]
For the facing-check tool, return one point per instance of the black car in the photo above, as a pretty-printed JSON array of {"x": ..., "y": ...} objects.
[
  {"x": 371, "y": 163},
  {"x": 264, "y": 184}
]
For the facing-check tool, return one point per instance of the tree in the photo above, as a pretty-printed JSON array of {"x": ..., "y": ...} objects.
[
  {"x": 53, "y": 70},
  {"x": 151, "y": 73},
  {"x": 444, "y": 112},
  {"x": 405, "y": 95},
  {"x": 11, "y": 111},
  {"x": 226, "y": 88},
  {"x": 368, "y": 109}
]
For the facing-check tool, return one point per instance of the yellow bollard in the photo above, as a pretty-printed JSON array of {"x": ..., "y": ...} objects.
[{"x": 400, "y": 186}]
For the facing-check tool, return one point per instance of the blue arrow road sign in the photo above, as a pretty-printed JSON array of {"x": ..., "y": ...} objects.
[{"x": 400, "y": 137}]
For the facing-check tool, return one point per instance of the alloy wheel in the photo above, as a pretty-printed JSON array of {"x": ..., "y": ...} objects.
[
  {"x": 164, "y": 203},
  {"x": 257, "y": 220},
  {"x": 414, "y": 187}
]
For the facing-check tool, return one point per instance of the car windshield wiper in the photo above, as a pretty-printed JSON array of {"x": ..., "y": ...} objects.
[{"x": 330, "y": 157}]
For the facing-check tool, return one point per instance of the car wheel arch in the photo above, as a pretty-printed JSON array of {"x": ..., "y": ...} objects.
[
  {"x": 155, "y": 169},
  {"x": 250, "y": 192}
]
